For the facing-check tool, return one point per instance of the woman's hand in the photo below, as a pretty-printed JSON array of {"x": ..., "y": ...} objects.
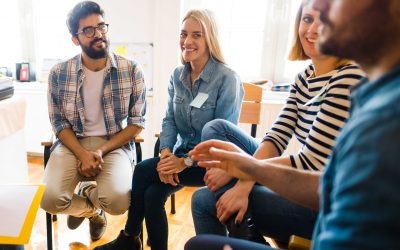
[
  {"x": 170, "y": 164},
  {"x": 216, "y": 178},
  {"x": 172, "y": 179},
  {"x": 226, "y": 156},
  {"x": 232, "y": 201}
]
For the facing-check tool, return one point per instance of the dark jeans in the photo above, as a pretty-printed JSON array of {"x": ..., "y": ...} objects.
[
  {"x": 148, "y": 198},
  {"x": 273, "y": 215},
  {"x": 216, "y": 242}
]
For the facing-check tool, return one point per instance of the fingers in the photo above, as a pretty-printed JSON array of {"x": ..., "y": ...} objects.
[
  {"x": 167, "y": 168},
  {"x": 224, "y": 216},
  {"x": 171, "y": 180},
  {"x": 211, "y": 164},
  {"x": 227, "y": 247},
  {"x": 162, "y": 178},
  {"x": 176, "y": 178},
  {"x": 240, "y": 215},
  {"x": 206, "y": 177}
]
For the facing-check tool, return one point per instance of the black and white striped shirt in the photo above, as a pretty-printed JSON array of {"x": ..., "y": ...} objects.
[{"x": 315, "y": 111}]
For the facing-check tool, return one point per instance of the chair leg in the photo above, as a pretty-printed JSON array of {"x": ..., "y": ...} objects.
[
  {"x": 49, "y": 218},
  {"x": 138, "y": 152},
  {"x": 49, "y": 232},
  {"x": 173, "y": 211},
  {"x": 157, "y": 148}
]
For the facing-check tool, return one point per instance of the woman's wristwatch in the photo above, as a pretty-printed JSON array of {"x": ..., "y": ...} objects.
[{"x": 188, "y": 161}]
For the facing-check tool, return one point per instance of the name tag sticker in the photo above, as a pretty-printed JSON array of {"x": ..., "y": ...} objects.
[{"x": 199, "y": 100}]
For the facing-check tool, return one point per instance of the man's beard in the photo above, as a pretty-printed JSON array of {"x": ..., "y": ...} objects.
[
  {"x": 362, "y": 37},
  {"x": 93, "y": 53}
]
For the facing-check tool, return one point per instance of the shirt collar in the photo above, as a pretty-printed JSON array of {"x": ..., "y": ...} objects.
[
  {"x": 205, "y": 74},
  {"x": 363, "y": 91},
  {"x": 111, "y": 62}
]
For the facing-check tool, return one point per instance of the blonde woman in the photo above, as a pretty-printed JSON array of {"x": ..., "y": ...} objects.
[{"x": 200, "y": 90}]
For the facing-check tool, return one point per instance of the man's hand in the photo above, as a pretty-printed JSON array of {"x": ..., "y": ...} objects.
[
  {"x": 231, "y": 202},
  {"x": 216, "y": 178},
  {"x": 226, "y": 156},
  {"x": 89, "y": 165}
]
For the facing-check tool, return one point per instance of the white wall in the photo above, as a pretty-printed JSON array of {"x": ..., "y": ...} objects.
[{"x": 130, "y": 20}]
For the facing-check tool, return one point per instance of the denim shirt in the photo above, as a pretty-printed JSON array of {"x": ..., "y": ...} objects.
[
  {"x": 182, "y": 124},
  {"x": 360, "y": 201}
]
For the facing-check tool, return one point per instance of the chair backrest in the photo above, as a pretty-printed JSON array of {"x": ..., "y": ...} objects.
[{"x": 251, "y": 106}]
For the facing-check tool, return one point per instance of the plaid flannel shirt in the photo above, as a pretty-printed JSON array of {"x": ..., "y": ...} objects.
[{"x": 124, "y": 95}]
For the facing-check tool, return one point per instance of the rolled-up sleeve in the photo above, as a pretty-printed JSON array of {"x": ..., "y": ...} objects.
[{"x": 137, "y": 103}]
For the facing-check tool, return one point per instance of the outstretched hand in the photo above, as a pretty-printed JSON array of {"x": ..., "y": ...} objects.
[{"x": 226, "y": 156}]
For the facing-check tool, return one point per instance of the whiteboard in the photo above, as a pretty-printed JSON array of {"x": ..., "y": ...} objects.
[{"x": 142, "y": 53}]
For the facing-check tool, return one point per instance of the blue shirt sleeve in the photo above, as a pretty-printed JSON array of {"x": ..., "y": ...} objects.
[
  {"x": 169, "y": 130},
  {"x": 230, "y": 98}
]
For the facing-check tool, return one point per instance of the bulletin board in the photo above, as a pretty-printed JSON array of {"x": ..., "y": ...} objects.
[{"x": 142, "y": 53}]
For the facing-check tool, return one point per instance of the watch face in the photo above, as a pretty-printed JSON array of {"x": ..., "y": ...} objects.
[{"x": 188, "y": 161}]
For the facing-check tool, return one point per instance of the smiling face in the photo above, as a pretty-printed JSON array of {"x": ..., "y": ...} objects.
[
  {"x": 95, "y": 47},
  {"x": 308, "y": 28},
  {"x": 193, "y": 43}
]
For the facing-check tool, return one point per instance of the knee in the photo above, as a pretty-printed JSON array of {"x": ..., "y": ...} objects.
[
  {"x": 192, "y": 244},
  {"x": 116, "y": 204},
  {"x": 53, "y": 203},
  {"x": 203, "y": 201},
  {"x": 212, "y": 128},
  {"x": 144, "y": 168},
  {"x": 198, "y": 242}
]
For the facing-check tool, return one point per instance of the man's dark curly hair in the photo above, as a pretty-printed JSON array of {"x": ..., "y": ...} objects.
[{"x": 82, "y": 10}]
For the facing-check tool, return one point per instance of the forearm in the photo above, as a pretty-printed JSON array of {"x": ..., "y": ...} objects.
[
  {"x": 295, "y": 185},
  {"x": 69, "y": 139},
  {"x": 121, "y": 138},
  {"x": 266, "y": 150}
]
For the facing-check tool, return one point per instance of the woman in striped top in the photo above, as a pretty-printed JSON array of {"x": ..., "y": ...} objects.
[{"x": 315, "y": 111}]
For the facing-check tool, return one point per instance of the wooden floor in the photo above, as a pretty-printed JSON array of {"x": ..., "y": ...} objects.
[{"x": 180, "y": 224}]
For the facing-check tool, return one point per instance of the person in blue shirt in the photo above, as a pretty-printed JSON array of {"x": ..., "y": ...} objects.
[
  {"x": 357, "y": 195},
  {"x": 200, "y": 90}
]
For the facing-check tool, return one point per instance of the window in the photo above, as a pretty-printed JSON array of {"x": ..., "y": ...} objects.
[
  {"x": 53, "y": 40},
  {"x": 255, "y": 35},
  {"x": 10, "y": 41}
]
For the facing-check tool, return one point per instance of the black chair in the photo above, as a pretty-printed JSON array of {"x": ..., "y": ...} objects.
[{"x": 47, "y": 143}]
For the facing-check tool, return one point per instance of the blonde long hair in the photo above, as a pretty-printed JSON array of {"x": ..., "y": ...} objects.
[{"x": 207, "y": 21}]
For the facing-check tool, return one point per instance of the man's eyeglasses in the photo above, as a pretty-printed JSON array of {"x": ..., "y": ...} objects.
[{"x": 90, "y": 31}]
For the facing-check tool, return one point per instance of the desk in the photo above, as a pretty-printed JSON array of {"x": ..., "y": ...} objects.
[{"x": 13, "y": 165}]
